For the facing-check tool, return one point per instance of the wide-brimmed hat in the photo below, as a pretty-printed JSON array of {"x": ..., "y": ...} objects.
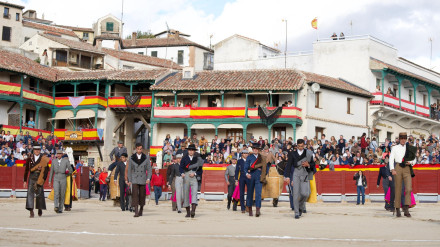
[
  {"x": 245, "y": 151},
  {"x": 59, "y": 151},
  {"x": 37, "y": 147},
  {"x": 256, "y": 146},
  {"x": 179, "y": 156},
  {"x": 403, "y": 135},
  {"x": 191, "y": 147}
]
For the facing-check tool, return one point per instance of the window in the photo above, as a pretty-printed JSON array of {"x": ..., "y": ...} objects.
[
  {"x": 208, "y": 61},
  {"x": 424, "y": 100},
  {"x": 109, "y": 26},
  {"x": 6, "y": 13},
  {"x": 378, "y": 84},
  {"x": 319, "y": 131},
  {"x": 154, "y": 53},
  {"x": 349, "y": 105},
  {"x": 410, "y": 94},
  {"x": 234, "y": 134},
  {"x": 17, "y": 16},
  {"x": 26, "y": 39},
  {"x": 6, "y": 34},
  {"x": 85, "y": 36},
  {"x": 317, "y": 99},
  {"x": 180, "y": 57},
  {"x": 279, "y": 132},
  {"x": 141, "y": 53}
]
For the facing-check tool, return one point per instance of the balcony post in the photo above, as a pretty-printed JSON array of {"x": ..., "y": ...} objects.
[
  {"x": 188, "y": 127},
  {"x": 400, "y": 80},
  {"x": 415, "y": 84},
  {"x": 37, "y": 111},
  {"x": 96, "y": 118},
  {"x": 21, "y": 115},
  {"x": 38, "y": 85},
  {"x": 294, "y": 132},
  {"x": 97, "y": 88},
  {"x": 223, "y": 98},
  {"x": 198, "y": 99},
  {"x": 75, "y": 93},
  {"x": 175, "y": 99},
  {"x": 106, "y": 90},
  {"x": 21, "y": 86},
  {"x": 383, "y": 85},
  {"x": 245, "y": 132},
  {"x": 53, "y": 121},
  {"x": 296, "y": 98},
  {"x": 153, "y": 104},
  {"x": 270, "y": 98},
  {"x": 246, "y": 107},
  {"x": 53, "y": 91},
  {"x": 269, "y": 128}
]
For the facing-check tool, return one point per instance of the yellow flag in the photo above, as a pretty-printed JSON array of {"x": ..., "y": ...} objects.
[{"x": 315, "y": 23}]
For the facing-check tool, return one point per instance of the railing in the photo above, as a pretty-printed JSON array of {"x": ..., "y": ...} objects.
[
  {"x": 81, "y": 135},
  {"x": 10, "y": 88},
  {"x": 88, "y": 100},
  {"x": 287, "y": 112},
  {"x": 121, "y": 102},
  {"x": 405, "y": 105},
  {"x": 15, "y": 130},
  {"x": 356, "y": 37}
]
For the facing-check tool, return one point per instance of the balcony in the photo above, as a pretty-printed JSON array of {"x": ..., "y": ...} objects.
[
  {"x": 15, "y": 130},
  {"x": 87, "y": 101},
  {"x": 219, "y": 112},
  {"x": 404, "y": 105},
  {"x": 9, "y": 88},
  {"x": 121, "y": 104},
  {"x": 81, "y": 135}
]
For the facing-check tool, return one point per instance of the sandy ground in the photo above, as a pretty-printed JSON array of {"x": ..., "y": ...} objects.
[{"x": 92, "y": 222}]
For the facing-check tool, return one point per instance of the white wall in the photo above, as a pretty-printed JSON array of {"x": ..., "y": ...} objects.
[{"x": 16, "y": 27}]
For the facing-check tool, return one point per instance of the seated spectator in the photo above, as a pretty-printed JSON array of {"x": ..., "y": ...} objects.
[
  {"x": 166, "y": 104},
  {"x": 31, "y": 123},
  {"x": 180, "y": 104},
  {"x": 27, "y": 138},
  {"x": 3, "y": 158},
  {"x": 344, "y": 160},
  {"x": 195, "y": 103},
  {"x": 11, "y": 160},
  {"x": 334, "y": 36},
  {"x": 8, "y": 137},
  {"x": 168, "y": 156},
  {"x": 333, "y": 162},
  {"x": 167, "y": 147}
]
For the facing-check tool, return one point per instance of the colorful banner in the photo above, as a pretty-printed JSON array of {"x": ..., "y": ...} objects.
[
  {"x": 172, "y": 112},
  {"x": 75, "y": 101},
  {"x": 217, "y": 112},
  {"x": 119, "y": 102},
  {"x": 287, "y": 112},
  {"x": 154, "y": 150},
  {"x": 89, "y": 100},
  {"x": 10, "y": 88},
  {"x": 33, "y": 132},
  {"x": 87, "y": 134},
  {"x": 315, "y": 23},
  {"x": 46, "y": 99},
  {"x": 73, "y": 135}
]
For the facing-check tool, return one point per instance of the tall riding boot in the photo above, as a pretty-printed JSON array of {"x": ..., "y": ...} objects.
[
  {"x": 406, "y": 211},
  {"x": 31, "y": 213},
  {"x": 187, "y": 212},
  {"x": 398, "y": 212},
  {"x": 141, "y": 210},
  {"x": 257, "y": 214},
  {"x": 229, "y": 202},
  {"x": 136, "y": 211},
  {"x": 250, "y": 211},
  {"x": 193, "y": 210},
  {"x": 234, "y": 206},
  {"x": 174, "y": 206},
  {"x": 275, "y": 202},
  {"x": 40, "y": 212}
]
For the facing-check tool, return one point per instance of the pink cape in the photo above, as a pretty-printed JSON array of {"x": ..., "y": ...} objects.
[
  {"x": 388, "y": 198},
  {"x": 173, "y": 199},
  {"x": 236, "y": 194}
]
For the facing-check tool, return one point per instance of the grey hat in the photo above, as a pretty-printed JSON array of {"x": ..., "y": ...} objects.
[
  {"x": 59, "y": 151},
  {"x": 179, "y": 156},
  {"x": 245, "y": 151},
  {"x": 36, "y": 147},
  {"x": 234, "y": 157},
  {"x": 120, "y": 142}
]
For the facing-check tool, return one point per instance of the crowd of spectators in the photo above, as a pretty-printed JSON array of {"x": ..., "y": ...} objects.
[
  {"x": 328, "y": 153},
  {"x": 20, "y": 147}
]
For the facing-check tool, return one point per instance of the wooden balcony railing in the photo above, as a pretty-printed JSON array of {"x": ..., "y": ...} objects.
[{"x": 405, "y": 105}]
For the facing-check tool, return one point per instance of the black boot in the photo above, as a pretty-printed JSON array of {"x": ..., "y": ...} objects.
[
  {"x": 257, "y": 214},
  {"x": 406, "y": 211},
  {"x": 31, "y": 213},
  {"x": 141, "y": 210},
  {"x": 250, "y": 211},
  {"x": 40, "y": 212},
  {"x": 275, "y": 202},
  {"x": 193, "y": 210},
  {"x": 229, "y": 202},
  {"x": 398, "y": 212},
  {"x": 234, "y": 206},
  {"x": 187, "y": 212},
  {"x": 136, "y": 211}
]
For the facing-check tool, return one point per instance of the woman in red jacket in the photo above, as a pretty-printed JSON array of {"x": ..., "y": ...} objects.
[
  {"x": 103, "y": 184},
  {"x": 364, "y": 143}
]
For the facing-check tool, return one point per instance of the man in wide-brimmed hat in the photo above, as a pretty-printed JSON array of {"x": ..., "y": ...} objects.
[
  {"x": 60, "y": 169},
  {"x": 188, "y": 168},
  {"x": 254, "y": 167},
  {"x": 240, "y": 177},
  {"x": 402, "y": 157}
]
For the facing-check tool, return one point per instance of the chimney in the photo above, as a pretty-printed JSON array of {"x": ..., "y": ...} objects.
[
  {"x": 176, "y": 34},
  {"x": 133, "y": 38}
]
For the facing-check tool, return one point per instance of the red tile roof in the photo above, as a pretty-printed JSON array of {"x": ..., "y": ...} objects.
[
  {"x": 49, "y": 28},
  {"x": 160, "y": 42},
  {"x": 77, "y": 45},
  {"x": 379, "y": 65},
  {"x": 264, "y": 80},
  {"x": 12, "y": 5},
  {"x": 81, "y": 29},
  {"x": 138, "y": 58}
]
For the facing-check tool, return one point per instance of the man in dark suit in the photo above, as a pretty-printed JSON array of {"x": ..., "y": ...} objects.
[
  {"x": 120, "y": 170},
  {"x": 387, "y": 182},
  {"x": 241, "y": 179},
  {"x": 254, "y": 168}
]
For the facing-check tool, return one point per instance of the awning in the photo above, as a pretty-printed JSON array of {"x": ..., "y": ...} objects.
[
  {"x": 203, "y": 126},
  {"x": 82, "y": 114},
  {"x": 63, "y": 114},
  {"x": 230, "y": 126}
]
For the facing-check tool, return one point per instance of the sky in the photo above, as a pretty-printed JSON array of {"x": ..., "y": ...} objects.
[{"x": 406, "y": 24}]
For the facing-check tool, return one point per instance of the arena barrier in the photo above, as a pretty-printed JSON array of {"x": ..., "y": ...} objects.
[{"x": 332, "y": 186}]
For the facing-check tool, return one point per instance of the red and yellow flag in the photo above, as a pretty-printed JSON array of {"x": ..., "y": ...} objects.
[{"x": 315, "y": 23}]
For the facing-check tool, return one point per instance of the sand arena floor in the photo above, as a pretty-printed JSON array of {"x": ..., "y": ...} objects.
[{"x": 95, "y": 223}]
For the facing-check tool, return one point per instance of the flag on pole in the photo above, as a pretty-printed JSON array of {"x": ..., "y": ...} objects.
[{"x": 315, "y": 23}]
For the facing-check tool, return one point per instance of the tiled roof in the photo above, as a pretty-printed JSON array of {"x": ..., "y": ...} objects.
[
  {"x": 48, "y": 28},
  {"x": 338, "y": 84},
  {"x": 160, "y": 42},
  {"x": 235, "y": 80},
  {"x": 21, "y": 64},
  {"x": 12, "y": 5},
  {"x": 81, "y": 29},
  {"x": 277, "y": 79},
  {"x": 249, "y": 39},
  {"x": 77, "y": 45},
  {"x": 379, "y": 65},
  {"x": 18, "y": 63},
  {"x": 138, "y": 58}
]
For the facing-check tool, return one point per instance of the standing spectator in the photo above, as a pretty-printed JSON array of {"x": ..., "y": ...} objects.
[
  {"x": 96, "y": 179},
  {"x": 364, "y": 143},
  {"x": 103, "y": 184},
  {"x": 31, "y": 123},
  {"x": 361, "y": 183},
  {"x": 79, "y": 164},
  {"x": 373, "y": 145},
  {"x": 157, "y": 184}
]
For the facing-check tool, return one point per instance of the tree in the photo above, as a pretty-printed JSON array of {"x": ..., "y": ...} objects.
[{"x": 142, "y": 35}]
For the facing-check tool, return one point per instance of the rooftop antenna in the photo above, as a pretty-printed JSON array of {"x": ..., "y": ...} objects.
[
  {"x": 430, "y": 59},
  {"x": 166, "y": 47},
  {"x": 122, "y": 20},
  {"x": 351, "y": 27}
]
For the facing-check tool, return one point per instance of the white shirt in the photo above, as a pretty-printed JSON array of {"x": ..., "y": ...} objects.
[
  {"x": 36, "y": 157},
  {"x": 300, "y": 152},
  {"x": 190, "y": 157},
  {"x": 59, "y": 162},
  {"x": 360, "y": 181},
  {"x": 139, "y": 156},
  {"x": 397, "y": 154}
]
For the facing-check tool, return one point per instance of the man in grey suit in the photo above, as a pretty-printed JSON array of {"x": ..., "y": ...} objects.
[
  {"x": 118, "y": 151},
  {"x": 59, "y": 170},
  {"x": 230, "y": 181},
  {"x": 302, "y": 161}
]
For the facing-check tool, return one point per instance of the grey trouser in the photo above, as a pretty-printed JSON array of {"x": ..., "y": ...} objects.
[
  {"x": 59, "y": 189},
  {"x": 178, "y": 184},
  {"x": 188, "y": 183},
  {"x": 301, "y": 189}
]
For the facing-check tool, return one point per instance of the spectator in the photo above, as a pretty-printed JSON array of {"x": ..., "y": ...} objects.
[
  {"x": 11, "y": 160},
  {"x": 79, "y": 164},
  {"x": 341, "y": 36},
  {"x": 361, "y": 184},
  {"x": 157, "y": 184},
  {"x": 103, "y": 184},
  {"x": 31, "y": 123},
  {"x": 27, "y": 138},
  {"x": 334, "y": 36}
]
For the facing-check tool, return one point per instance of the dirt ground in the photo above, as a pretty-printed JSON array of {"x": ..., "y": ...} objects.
[{"x": 96, "y": 223}]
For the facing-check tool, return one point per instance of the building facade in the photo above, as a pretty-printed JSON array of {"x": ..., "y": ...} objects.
[{"x": 10, "y": 24}]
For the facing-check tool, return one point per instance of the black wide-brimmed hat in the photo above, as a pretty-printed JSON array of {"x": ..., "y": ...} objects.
[
  {"x": 191, "y": 147},
  {"x": 256, "y": 145}
]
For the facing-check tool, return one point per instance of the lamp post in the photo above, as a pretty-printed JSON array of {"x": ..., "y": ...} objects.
[{"x": 285, "y": 47}]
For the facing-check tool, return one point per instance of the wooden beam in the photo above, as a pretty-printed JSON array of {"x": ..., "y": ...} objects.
[
  {"x": 145, "y": 122},
  {"x": 12, "y": 106},
  {"x": 139, "y": 130},
  {"x": 120, "y": 123}
]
